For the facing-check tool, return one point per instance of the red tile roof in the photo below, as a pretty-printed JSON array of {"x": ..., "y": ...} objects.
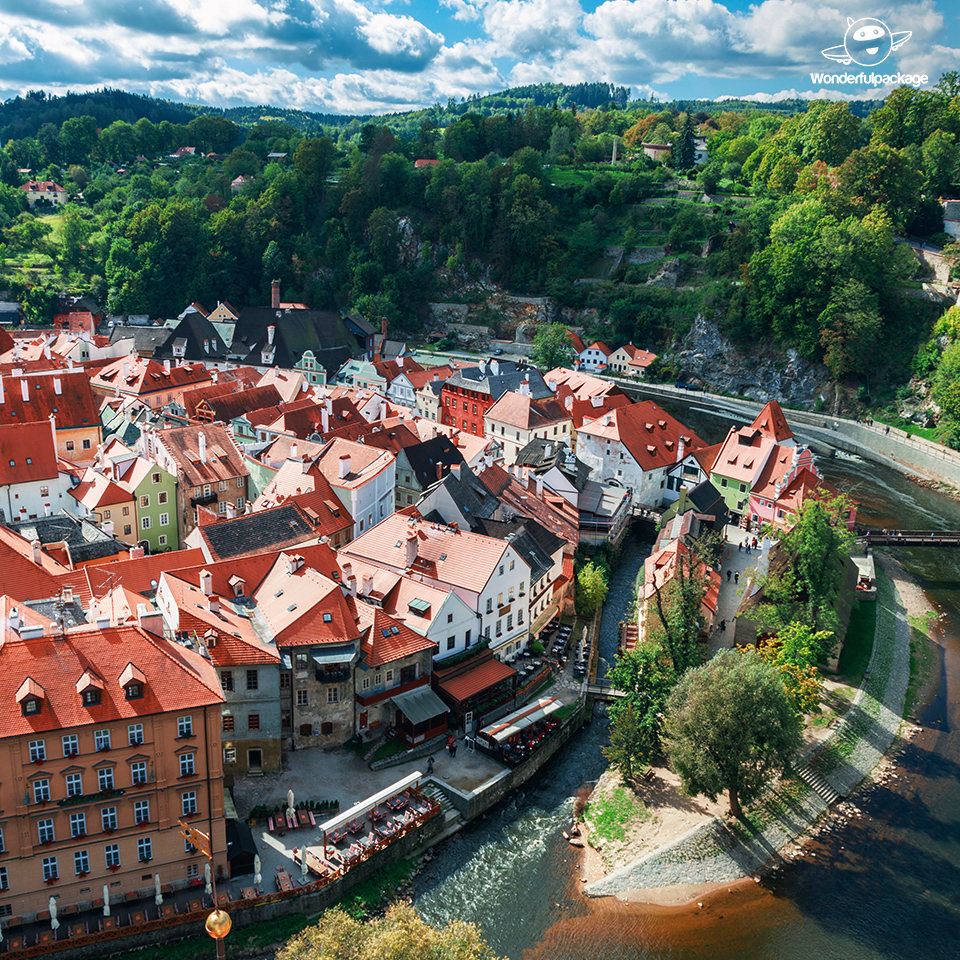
[
  {"x": 518, "y": 410},
  {"x": 772, "y": 423},
  {"x": 223, "y": 460},
  {"x": 28, "y": 453},
  {"x": 299, "y": 481},
  {"x": 386, "y": 640},
  {"x": 74, "y": 405},
  {"x": 138, "y": 575},
  {"x": 95, "y": 490},
  {"x": 174, "y": 678},
  {"x": 484, "y": 675},
  {"x": 145, "y": 376}
]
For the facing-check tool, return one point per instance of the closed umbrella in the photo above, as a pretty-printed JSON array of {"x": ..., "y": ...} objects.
[
  {"x": 257, "y": 879},
  {"x": 158, "y": 898},
  {"x": 207, "y": 877},
  {"x": 290, "y": 809},
  {"x": 303, "y": 863},
  {"x": 106, "y": 901},
  {"x": 54, "y": 922}
]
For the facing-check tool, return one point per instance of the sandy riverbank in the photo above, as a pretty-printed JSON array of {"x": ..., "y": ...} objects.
[{"x": 674, "y": 815}]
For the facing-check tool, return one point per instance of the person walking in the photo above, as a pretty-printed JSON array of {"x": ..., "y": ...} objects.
[
  {"x": 453, "y": 750},
  {"x": 729, "y": 574},
  {"x": 723, "y": 626},
  {"x": 450, "y": 744},
  {"x": 429, "y": 766},
  {"x": 736, "y": 577}
]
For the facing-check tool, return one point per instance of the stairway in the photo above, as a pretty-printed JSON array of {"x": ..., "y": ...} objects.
[
  {"x": 816, "y": 783},
  {"x": 436, "y": 794}
]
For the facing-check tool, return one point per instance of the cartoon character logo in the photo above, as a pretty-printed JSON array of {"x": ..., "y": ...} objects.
[{"x": 867, "y": 42}]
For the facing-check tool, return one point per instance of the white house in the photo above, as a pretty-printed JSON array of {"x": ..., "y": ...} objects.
[
  {"x": 364, "y": 479},
  {"x": 31, "y": 483}
]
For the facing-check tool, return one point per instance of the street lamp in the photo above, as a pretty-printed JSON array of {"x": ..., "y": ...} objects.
[{"x": 218, "y": 925}]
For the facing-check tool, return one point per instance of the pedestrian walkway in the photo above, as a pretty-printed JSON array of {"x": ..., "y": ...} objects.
[{"x": 743, "y": 567}]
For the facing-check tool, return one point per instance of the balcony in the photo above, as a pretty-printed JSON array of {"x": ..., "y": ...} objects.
[
  {"x": 333, "y": 676},
  {"x": 203, "y": 499}
]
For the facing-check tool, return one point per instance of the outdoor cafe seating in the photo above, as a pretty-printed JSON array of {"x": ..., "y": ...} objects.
[{"x": 517, "y": 735}]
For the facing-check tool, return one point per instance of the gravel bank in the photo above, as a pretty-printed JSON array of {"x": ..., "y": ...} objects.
[{"x": 713, "y": 852}]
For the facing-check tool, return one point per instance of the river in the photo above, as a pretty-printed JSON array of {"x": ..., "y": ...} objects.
[{"x": 882, "y": 886}]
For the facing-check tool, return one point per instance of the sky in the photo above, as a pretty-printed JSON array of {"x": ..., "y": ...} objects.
[{"x": 385, "y": 56}]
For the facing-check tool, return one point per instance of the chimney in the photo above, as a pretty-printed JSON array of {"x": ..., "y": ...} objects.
[
  {"x": 2, "y": 401},
  {"x": 680, "y": 450},
  {"x": 350, "y": 580},
  {"x": 294, "y": 450},
  {"x": 495, "y": 367},
  {"x": 329, "y": 403},
  {"x": 324, "y": 420},
  {"x": 433, "y": 432},
  {"x": 47, "y": 510},
  {"x": 214, "y": 376},
  {"x": 400, "y": 362},
  {"x": 103, "y": 623},
  {"x": 36, "y": 551},
  {"x": 126, "y": 369},
  {"x": 25, "y": 391},
  {"x": 411, "y": 548},
  {"x": 439, "y": 471},
  {"x": 548, "y": 450},
  {"x": 231, "y": 511},
  {"x": 539, "y": 486},
  {"x": 202, "y": 444},
  {"x": 46, "y": 351},
  {"x": 271, "y": 332},
  {"x": 150, "y": 620},
  {"x": 596, "y": 402},
  {"x": 166, "y": 366},
  {"x": 248, "y": 508},
  {"x": 367, "y": 587},
  {"x": 69, "y": 363},
  {"x": 436, "y": 378},
  {"x": 344, "y": 466},
  {"x": 68, "y": 594},
  {"x": 568, "y": 401},
  {"x": 14, "y": 620},
  {"x": 107, "y": 527},
  {"x": 206, "y": 583},
  {"x": 455, "y": 470},
  {"x": 137, "y": 552},
  {"x": 552, "y": 384},
  {"x": 294, "y": 563},
  {"x": 483, "y": 367},
  {"x": 606, "y": 420},
  {"x": 275, "y": 296},
  {"x": 213, "y": 603},
  {"x": 57, "y": 387}
]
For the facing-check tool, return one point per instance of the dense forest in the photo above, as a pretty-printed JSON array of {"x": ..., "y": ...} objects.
[{"x": 787, "y": 233}]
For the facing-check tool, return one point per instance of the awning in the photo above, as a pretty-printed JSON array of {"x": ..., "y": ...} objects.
[
  {"x": 324, "y": 655},
  {"x": 359, "y": 809},
  {"x": 420, "y": 704},
  {"x": 485, "y": 675},
  {"x": 521, "y": 719}
]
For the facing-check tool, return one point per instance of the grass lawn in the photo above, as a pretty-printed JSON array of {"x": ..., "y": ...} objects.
[
  {"x": 389, "y": 749},
  {"x": 581, "y": 177},
  {"x": 925, "y": 654},
  {"x": 858, "y": 645},
  {"x": 609, "y": 815}
]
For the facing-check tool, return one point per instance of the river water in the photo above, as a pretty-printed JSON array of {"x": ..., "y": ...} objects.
[{"x": 882, "y": 887}]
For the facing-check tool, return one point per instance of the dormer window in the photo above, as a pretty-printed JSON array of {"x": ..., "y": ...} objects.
[
  {"x": 30, "y": 696},
  {"x": 133, "y": 691},
  {"x": 132, "y": 681},
  {"x": 90, "y": 688},
  {"x": 91, "y": 697}
]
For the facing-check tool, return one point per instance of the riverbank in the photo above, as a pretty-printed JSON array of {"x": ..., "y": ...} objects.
[{"x": 713, "y": 854}]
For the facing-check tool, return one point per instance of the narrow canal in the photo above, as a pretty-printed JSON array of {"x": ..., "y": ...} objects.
[{"x": 882, "y": 887}]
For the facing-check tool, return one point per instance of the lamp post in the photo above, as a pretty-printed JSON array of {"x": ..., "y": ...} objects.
[{"x": 218, "y": 925}]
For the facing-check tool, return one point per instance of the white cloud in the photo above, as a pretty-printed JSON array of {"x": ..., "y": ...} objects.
[{"x": 524, "y": 27}]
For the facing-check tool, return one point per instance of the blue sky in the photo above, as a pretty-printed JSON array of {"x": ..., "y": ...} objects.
[{"x": 345, "y": 56}]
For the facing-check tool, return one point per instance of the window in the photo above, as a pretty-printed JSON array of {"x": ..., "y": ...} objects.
[
  {"x": 226, "y": 722},
  {"x": 285, "y": 680},
  {"x": 141, "y": 811},
  {"x": 184, "y": 726},
  {"x": 45, "y": 830},
  {"x": 108, "y": 818},
  {"x": 111, "y": 854},
  {"x": 105, "y": 779},
  {"x": 449, "y": 618},
  {"x": 451, "y": 642},
  {"x": 723, "y": 481},
  {"x": 78, "y": 824},
  {"x": 164, "y": 520},
  {"x": 519, "y": 617},
  {"x": 222, "y": 507},
  {"x": 223, "y": 485},
  {"x": 162, "y": 496},
  {"x": 365, "y": 683},
  {"x": 333, "y": 695},
  {"x": 135, "y": 733},
  {"x": 187, "y": 766},
  {"x": 206, "y": 489},
  {"x": 81, "y": 863},
  {"x": 300, "y": 661},
  {"x": 102, "y": 739},
  {"x": 154, "y": 477},
  {"x": 239, "y": 483},
  {"x": 511, "y": 564},
  {"x": 226, "y": 679},
  {"x": 162, "y": 540},
  {"x": 229, "y": 754},
  {"x": 3, "y": 846},
  {"x": 509, "y": 622},
  {"x": 499, "y": 628},
  {"x": 489, "y": 604},
  {"x": 499, "y": 599},
  {"x": 253, "y": 721},
  {"x": 138, "y": 772},
  {"x": 145, "y": 523},
  {"x": 106, "y": 514},
  {"x": 126, "y": 529},
  {"x": 193, "y": 869},
  {"x": 466, "y": 639},
  {"x": 5, "y": 885},
  {"x": 253, "y": 680},
  {"x": 69, "y": 445},
  {"x": 145, "y": 501},
  {"x": 74, "y": 785},
  {"x": 501, "y": 569},
  {"x": 302, "y": 700},
  {"x": 50, "y": 869},
  {"x": 38, "y": 751},
  {"x": 326, "y": 729},
  {"x": 134, "y": 691},
  {"x": 90, "y": 697},
  {"x": 144, "y": 849},
  {"x": 743, "y": 488},
  {"x": 86, "y": 444},
  {"x": 126, "y": 511},
  {"x": 44, "y": 491},
  {"x": 389, "y": 676},
  {"x": 188, "y": 802}
]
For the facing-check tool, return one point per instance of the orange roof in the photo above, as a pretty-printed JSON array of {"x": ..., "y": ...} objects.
[
  {"x": 303, "y": 483},
  {"x": 386, "y": 640},
  {"x": 145, "y": 376},
  {"x": 744, "y": 454},
  {"x": 519, "y": 410},
  {"x": 365, "y": 462},
  {"x": 642, "y": 358},
  {"x": 64, "y": 394},
  {"x": 27, "y": 453},
  {"x": 222, "y": 460},
  {"x": 484, "y": 675},
  {"x": 174, "y": 678},
  {"x": 138, "y": 575},
  {"x": 772, "y": 423},
  {"x": 582, "y": 385},
  {"x": 95, "y": 490},
  {"x": 22, "y": 578}
]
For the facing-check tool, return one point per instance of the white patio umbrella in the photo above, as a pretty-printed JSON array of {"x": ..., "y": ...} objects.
[
  {"x": 303, "y": 863},
  {"x": 208, "y": 888},
  {"x": 257, "y": 879},
  {"x": 106, "y": 901},
  {"x": 158, "y": 898},
  {"x": 54, "y": 922},
  {"x": 290, "y": 809}
]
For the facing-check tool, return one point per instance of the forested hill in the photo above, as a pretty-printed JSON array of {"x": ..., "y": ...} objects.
[{"x": 26, "y": 116}]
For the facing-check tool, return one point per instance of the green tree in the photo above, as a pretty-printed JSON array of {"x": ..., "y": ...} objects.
[
  {"x": 850, "y": 329},
  {"x": 730, "y": 726},
  {"x": 213, "y": 134},
  {"x": 629, "y": 745},
  {"x": 399, "y": 935},
  {"x": 77, "y": 137},
  {"x": 592, "y": 588},
  {"x": 675, "y": 616},
  {"x": 684, "y": 146},
  {"x": 796, "y": 651},
  {"x": 552, "y": 347}
]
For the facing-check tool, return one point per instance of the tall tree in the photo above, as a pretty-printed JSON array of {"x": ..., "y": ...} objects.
[
  {"x": 730, "y": 726},
  {"x": 552, "y": 347},
  {"x": 676, "y": 617}
]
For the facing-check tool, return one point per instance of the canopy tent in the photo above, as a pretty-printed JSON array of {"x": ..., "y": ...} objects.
[
  {"x": 359, "y": 809},
  {"x": 420, "y": 705},
  {"x": 521, "y": 719}
]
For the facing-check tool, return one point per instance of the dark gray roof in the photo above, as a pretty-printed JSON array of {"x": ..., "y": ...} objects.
[
  {"x": 190, "y": 333},
  {"x": 364, "y": 327},
  {"x": 424, "y": 457},
  {"x": 508, "y": 377},
  {"x": 472, "y": 498},
  {"x": 85, "y": 540},
  {"x": 53, "y": 608},
  {"x": 708, "y": 500},
  {"x": 146, "y": 340},
  {"x": 296, "y": 331},
  {"x": 265, "y": 530},
  {"x": 534, "y": 542}
]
